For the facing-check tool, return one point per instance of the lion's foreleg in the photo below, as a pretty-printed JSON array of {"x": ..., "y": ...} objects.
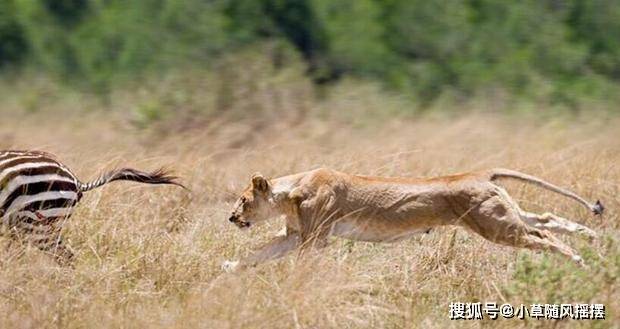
[
  {"x": 316, "y": 215},
  {"x": 276, "y": 248}
]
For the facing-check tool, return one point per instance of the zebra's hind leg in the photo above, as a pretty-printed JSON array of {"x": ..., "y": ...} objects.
[
  {"x": 45, "y": 236},
  {"x": 51, "y": 241},
  {"x": 53, "y": 244},
  {"x": 63, "y": 254}
]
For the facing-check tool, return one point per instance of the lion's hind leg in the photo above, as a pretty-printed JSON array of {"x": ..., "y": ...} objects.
[
  {"x": 498, "y": 220},
  {"x": 554, "y": 223},
  {"x": 547, "y": 221},
  {"x": 538, "y": 239}
]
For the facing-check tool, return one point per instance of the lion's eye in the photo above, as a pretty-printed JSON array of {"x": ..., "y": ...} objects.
[{"x": 243, "y": 199}]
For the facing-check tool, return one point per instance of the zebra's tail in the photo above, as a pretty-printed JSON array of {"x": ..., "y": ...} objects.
[{"x": 160, "y": 176}]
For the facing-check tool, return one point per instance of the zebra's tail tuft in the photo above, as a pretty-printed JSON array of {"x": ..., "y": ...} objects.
[{"x": 159, "y": 176}]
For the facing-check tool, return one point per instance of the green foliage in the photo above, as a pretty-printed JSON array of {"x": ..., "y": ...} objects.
[
  {"x": 597, "y": 24},
  {"x": 148, "y": 112},
  {"x": 565, "y": 282},
  {"x": 431, "y": 47},
  {"x": 118, "y": 39},
  {"x": 354, "y": 35},
  {"x": 558, "y": 52},
  {"x": 12, "y": 41}
]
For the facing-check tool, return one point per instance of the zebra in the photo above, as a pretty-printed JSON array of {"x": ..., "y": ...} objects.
[{"x": 38, "y": 194}]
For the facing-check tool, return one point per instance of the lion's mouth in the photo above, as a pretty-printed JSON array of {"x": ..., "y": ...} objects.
[
  {"x": 242, "y": 224},
  {"x": 239, "y": 222}
]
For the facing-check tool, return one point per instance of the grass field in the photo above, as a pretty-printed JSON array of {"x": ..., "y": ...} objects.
[{"x": 149, "y": 257}]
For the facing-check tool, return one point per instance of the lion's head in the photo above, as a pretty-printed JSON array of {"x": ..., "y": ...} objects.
[{"x": 255, "y": 203}]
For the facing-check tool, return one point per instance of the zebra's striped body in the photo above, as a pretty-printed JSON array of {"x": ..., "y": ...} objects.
[{"x": 38, "y": 193}]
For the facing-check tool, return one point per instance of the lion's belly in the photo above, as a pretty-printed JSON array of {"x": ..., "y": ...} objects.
[{"x": 374, "y": 231}]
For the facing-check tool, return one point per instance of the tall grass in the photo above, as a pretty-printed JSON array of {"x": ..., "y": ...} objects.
[{"x": 150, "y": 256}]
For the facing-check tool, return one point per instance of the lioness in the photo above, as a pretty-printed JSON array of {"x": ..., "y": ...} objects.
[{"x": 324, "y": 202}]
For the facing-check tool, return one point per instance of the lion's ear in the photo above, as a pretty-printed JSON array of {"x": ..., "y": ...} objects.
[{"x": 260, "y": 183}]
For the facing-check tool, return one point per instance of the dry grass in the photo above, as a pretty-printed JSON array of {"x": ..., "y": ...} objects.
[{"x": 150, "y": 256}]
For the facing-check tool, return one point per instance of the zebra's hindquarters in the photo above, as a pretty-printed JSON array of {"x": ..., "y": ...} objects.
[{"x": 37, "y": 195}]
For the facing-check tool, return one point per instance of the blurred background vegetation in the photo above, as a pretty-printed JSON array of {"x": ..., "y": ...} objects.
[{"x": 563, "y": 54}]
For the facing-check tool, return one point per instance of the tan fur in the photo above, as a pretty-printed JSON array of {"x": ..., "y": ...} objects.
[{"x": 324, "y": 202}]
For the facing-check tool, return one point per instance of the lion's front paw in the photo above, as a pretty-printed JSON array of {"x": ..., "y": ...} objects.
[{"x": 230, "y": 266}]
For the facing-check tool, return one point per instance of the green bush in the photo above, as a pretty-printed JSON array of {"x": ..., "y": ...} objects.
[
  {"x": 12, "y": 38},
  {"x": 560, "y": 52}
]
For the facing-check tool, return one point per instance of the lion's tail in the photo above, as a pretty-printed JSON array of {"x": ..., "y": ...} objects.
[{"x": 597, "y": 208}]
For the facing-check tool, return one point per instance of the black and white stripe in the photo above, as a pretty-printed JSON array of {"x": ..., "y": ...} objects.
[{"x": 38, "y": 193}]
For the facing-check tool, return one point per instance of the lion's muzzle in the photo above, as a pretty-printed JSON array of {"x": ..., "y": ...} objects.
[{"x": 237, "y": 221}]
